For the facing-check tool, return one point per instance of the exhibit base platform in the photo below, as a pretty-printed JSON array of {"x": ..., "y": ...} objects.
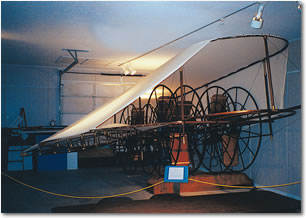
[{"x": 193, "y": 188}]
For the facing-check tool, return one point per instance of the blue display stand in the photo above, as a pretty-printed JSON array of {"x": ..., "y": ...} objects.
[
  {"x": 56, "y": 162},
  {"x": 176, "y": 174}
]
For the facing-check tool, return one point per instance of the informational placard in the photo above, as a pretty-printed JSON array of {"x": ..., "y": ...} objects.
[{"x": 176, "y": 174}]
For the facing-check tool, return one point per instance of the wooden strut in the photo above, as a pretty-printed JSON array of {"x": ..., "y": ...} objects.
[
  {"x": 181, "y": 145},
  {"x": 269, "y": 73},
  {"x": 268, "y": 84},
  {"x": 182, "y": 101}
]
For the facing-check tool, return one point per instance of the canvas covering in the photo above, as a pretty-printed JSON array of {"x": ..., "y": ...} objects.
[{"x": 203, "y": 62}]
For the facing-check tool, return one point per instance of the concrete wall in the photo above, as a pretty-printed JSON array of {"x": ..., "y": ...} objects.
[
  {"x": 31, "y": 87},
  {"x": 279, "y": 160}
]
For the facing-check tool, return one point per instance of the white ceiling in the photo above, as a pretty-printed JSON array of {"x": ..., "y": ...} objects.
[{"x": 34, "y": 33}]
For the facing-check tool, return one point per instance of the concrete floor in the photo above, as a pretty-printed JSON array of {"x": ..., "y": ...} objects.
[{"x": 16, "y": 198}]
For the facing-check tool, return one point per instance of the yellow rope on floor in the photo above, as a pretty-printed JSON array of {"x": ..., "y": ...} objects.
[
  {"x": 81, "y": 197},
  {"x": 234, "y": 186},
  {"x": 138, "y": 190}
]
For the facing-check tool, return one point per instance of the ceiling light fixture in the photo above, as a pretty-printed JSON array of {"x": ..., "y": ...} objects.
[
  {"x": 128, "y": 70},
  {"x": 257, "y": 20},
  {"x": 299, "y": 6},
  {"x": 131, "y": 70},
  {"x": 125, "y": 71}
]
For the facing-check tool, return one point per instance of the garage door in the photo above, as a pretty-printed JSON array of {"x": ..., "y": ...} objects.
[{"x": 81, "y": 93}]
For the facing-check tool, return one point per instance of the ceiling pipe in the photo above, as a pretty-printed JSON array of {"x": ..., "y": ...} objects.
[{"x": 107, "y": 74}]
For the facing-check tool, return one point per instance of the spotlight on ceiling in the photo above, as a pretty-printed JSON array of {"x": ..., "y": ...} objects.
[
  {"x": 299, "y": 6},
  {"x": 125, "y": 71},
  {"x": 128, "y": 70},
  {"x": 257, "y": 20},
  {"x": 131, "y": 70}
]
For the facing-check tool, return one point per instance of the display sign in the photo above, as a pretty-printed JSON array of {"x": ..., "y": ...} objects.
[{"x": 176, "y": 174}]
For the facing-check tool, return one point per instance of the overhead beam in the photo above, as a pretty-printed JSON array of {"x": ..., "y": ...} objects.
[{"x": 75, "y": 58}]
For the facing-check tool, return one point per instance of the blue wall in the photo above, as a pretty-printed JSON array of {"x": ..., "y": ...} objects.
[
  {"x": 31, "y": 87},
  {"x": 279, "y": 160}
]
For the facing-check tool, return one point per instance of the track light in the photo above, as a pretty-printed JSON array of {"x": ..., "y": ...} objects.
[
  {"x": 257, "y": 20},
  {"x": 131, "y": 70},
  {"x": 299, "y": 7},
  {"x": 126, "y": 70}
]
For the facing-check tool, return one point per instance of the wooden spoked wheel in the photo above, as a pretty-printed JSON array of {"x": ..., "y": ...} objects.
[
  {"x": 247, "y": 138},
  {"x": 129, "y": 115},
  {"x": 149, "y": 114},
  {"x": 164, "y": 103},
  {"x": 193, "y": 111},
  {"x": 193, "y": 108},
  {"x": 216, "y": 156}
]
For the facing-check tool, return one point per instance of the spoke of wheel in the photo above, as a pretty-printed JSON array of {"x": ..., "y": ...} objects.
[
  {"x": 204, "y": 152},
  {"x": 236, "y": 96},
  {"x": 199, "y": 155},
  {"x": 192, "y": 97},
  {"x": 228, "y": 103},
  {"x": 240, "y": 156},
  {"x": 219, "y": 156},
  {"x": 228, "y": 154},
  {"x": 216, "y": 100},
  {"x": 128, "y": 111},
  {"x": 122, "y": 116},
  {"x": 255, "y": 133},
  {"x": 163, "y": 91},
  {"x": 199, "y": 104},
  {"x": 249, "y": 137},
  {"x": 148, "y": 114},
  {"x": 166, "y": 115},
  {"x": 245, "y": 101},
  {"x": 212, "y": 148},
  {"x": 208, "y": 103},
  {"x": 156, "y": 100},
  {"x": 151, "y": 112},
  {"x": 247, "y": 146}
]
